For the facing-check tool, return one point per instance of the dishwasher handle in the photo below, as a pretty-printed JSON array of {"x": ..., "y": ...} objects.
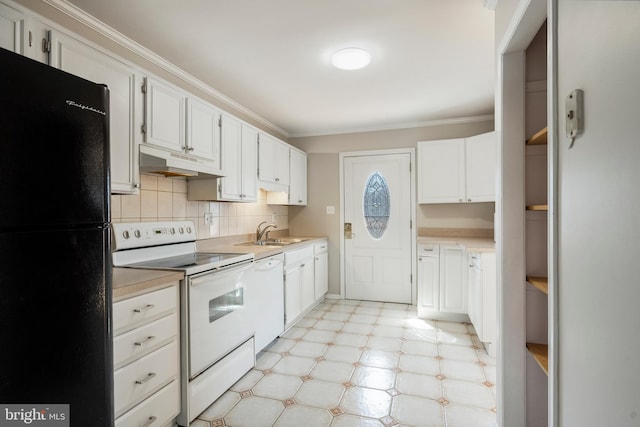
[{"x": 267, "y": 264}]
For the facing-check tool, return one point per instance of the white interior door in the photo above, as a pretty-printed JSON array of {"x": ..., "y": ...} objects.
[{"x": 378, "y": 206}]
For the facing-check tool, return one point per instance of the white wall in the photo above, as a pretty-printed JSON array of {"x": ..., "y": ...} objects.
[{"x": 599, "y": 225}]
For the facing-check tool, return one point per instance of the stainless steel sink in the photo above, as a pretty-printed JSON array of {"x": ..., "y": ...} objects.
[{"x": 272, "y": 242}]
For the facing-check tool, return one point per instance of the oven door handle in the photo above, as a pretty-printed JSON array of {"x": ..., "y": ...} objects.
[{"x": 218, "y": 276}]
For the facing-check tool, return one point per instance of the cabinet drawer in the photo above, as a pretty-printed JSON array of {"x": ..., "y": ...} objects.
[
  {"x": 428, "y": 250},
  {"x": 319, "y": 248},
  {"x": 297, "y": 255},
  {"x": 132, "y": 312},
  {"x": 140, "y": 379},
  {"x": 143, "y": 340},
  {"x": 155, "y": 411}
]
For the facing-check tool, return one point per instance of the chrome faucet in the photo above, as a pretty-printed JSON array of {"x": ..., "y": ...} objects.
[{"x": 260, "y": 232}]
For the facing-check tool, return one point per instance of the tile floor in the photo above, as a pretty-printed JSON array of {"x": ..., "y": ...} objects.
[{"x": 360, "y": 363}]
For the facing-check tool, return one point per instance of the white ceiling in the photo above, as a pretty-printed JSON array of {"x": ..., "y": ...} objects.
[{"x": 432, "y": 60}]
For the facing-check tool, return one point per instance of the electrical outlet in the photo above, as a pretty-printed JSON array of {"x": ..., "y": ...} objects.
[
  {"x": 208, "y": 218},
  {"x": 331, "y": 210}
]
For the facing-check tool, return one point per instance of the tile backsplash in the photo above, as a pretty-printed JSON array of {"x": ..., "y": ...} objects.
[{"x": 165, "y": 199}]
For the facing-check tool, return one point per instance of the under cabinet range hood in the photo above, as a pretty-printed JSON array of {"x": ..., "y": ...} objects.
[{"x": 170, "y": 163}]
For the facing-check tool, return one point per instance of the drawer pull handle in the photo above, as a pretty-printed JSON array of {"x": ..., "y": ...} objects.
[
  {"x": 143, "y": 309},
  {"x": 149, "y": 376},
  {"x": 429, "y": 250},
  {"x": 150, "y": 421},
  {"x": 142, "y": 341}
]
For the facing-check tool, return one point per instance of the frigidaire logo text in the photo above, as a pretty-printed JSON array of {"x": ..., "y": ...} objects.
[
  {"x": 24, "y": 416},
  {"x": 85, "y": 107}
]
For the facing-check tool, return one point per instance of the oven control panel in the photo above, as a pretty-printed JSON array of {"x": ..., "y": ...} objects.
[{"x": 131, "y": 235}]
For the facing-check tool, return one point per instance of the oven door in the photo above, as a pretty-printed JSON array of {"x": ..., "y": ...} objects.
[{"x": 218, "y": 318}]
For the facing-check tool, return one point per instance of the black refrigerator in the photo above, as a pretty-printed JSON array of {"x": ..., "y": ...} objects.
[{"x": 56, "y": 357}]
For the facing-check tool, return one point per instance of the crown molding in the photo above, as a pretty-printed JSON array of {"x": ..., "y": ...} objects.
[
  {"x": 429, "y": 123},
  {"x": 103, "y": 29}
]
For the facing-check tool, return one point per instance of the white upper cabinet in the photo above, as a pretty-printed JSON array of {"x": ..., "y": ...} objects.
[
  {"x": 249, "y": 165},
  {"x": 273, "y": 158},
  {"x": 231, "y": 184},
  {"x": 240, "y": 161},
  {"x": 164, "y": 115},
  {"x": 481, "y": 157},
  {"x": 298, "y": 172},
  {"x": 458, "y": 170},
  {"x": 24, "y": 35},
  {"x": 84, "y": 61},
  {"x": 441, "y": 174},
  {"x": 203, "y": 131},
  {"x": 11, "y": 28}
]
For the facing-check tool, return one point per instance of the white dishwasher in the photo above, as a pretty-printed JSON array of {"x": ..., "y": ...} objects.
[{"x": 265, "y": 299}]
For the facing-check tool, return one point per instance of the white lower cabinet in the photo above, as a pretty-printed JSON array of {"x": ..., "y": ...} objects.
[
  {"x": 321, "y": 269},
  {"x": 442, "y": 285},
  {"x": 147, "y": 359},
  {"x": 428, "y": 279},
  {"x": 299, "y": 287},
  {"x": 482, "y": 295},
  {"x": 453, "y": 283}
]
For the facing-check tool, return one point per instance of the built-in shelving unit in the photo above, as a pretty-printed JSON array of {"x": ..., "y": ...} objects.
[
  {"x": 539, "y": 138},
  {"x": 540, "y": 283},
  {"x": 536, "y": 207},
  {"x": 540, "y": 353}
]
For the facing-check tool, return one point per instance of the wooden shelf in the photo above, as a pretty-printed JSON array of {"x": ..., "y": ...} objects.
[
  {"x": 538, "y": 207},
  {"x": 540, "y": 283},
  {"x": 539, "y": 138},
  {"x": 540, "y": 353}
]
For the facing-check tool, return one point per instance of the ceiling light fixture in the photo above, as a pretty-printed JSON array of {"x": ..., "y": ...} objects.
[{"x": 352, "y": 58}]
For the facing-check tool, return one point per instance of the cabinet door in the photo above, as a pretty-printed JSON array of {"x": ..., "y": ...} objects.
[
  {"x": 474, "y": 303},
  {"x": 203, "y": 131},
  {"x": 308, "y": 283},
  {"x": 441, "y": 174},
  {"x": 481, "y": 158},
  {"x": 489, "y": 298},
  {"x": 84, "y": 61},
  {"x": 249, "y": 188},
  {"x": 266, "y": 158},
  {"x": 281, "y": 167},
  {"x": 428, "y": 283},
  {"x": 292, "y": 293},
  {"x": 11, "y": 29},
  {"x": 321, "y": 273},
  {"x": 164, "y": 115},
  {"x": 298, "y": 184},
  {"x": 273, "y": 158},
  {"x": 231, "y": 135},
  {"x": 453, "y": 286}
]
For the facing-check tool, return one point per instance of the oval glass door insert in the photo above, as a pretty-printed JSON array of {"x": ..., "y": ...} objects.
[{"x": 376, "y": 204}]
